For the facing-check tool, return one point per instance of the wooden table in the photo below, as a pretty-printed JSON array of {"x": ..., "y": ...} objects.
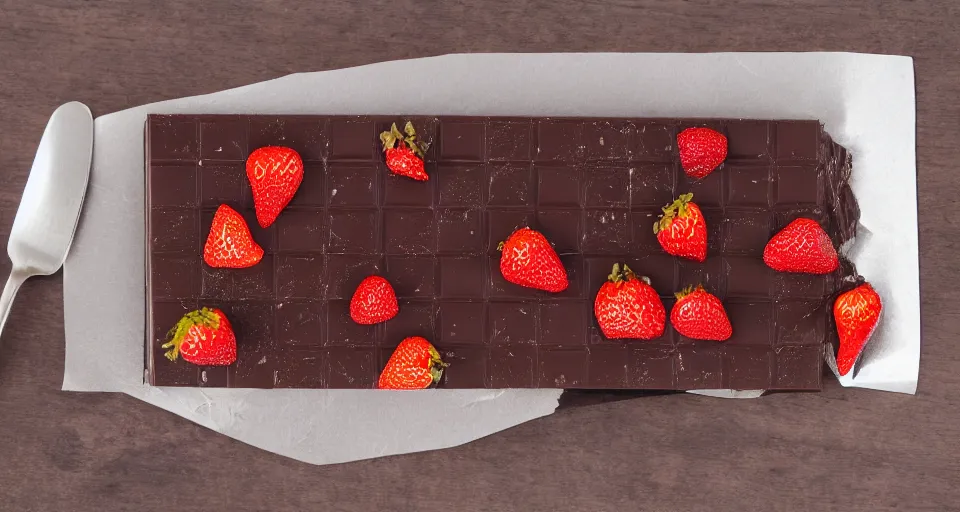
[{"x": 843, "y": 449}]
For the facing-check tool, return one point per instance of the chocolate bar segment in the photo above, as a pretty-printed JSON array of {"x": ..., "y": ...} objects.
[{"x": 594, "y": 187}]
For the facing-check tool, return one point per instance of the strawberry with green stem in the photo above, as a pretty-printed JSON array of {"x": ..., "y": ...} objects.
[
  {"x": 404, "y": 153},
  {"x": 203, "y": 337},
  {"x": 628, "y": 307},
  {"x": 681, "y": 229},
  {"x": 700, "y": 315},
  {"x": 415, "y": 364}
]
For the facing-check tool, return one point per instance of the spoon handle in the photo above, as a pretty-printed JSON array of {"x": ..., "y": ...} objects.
[{"x": 17, "y": 277}]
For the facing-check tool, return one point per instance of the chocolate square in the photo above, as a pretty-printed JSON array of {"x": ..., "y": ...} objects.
[
  {"x": 462, "y": 141},
  {"x": 608, "y": 366},
  {"x": 173, "y": 138},
  {"x": 224, "y": 139},
  {"x": 409, "y": 231},
  {"x": 562, "y": 367},
  {"x": 651, "y": 184},
  {"x": 353, "y": 185},
  {"x": 353, "y": 139},
  {"x": 461, "y": 322},
  {"x": 222, "y": 184},
  {"x": 606, "y": 231},
  {"x": 174, "y": 185},
  {"x": 654, "y": 140},
  {"x": 459, "y": 231},
  {"x": 304, "y": 230},
  {"x": 606, "y": 187},
  {"x": 510, "y": 185},
  {"x": 462, "y": 277},
  {"x": 509, "y": 140},
  {"x": 558, "y": 186},
  {"x": 558, "y": 140},
  {"x": 301, "y": 324},
  {"x": 461, "y": 185},
  {"x": 748, "y": 140},
  {"x": 798, "y": 140},
  {"x": 606, "y": 140},
  {"x": 350, "y": 232},
  {"x": 512, "y": 323},
  {"x": 301, "y": 276},
  {"x": 413, "y": 276},
  {"x": 561, "y": 323},
  {"x": 471, "y": 364}
]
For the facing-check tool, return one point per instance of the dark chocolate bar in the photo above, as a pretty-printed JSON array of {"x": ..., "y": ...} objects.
[{"x": 594, "y": 187}]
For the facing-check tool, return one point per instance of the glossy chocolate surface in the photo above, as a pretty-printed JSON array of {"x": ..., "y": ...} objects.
[{"x": 594, "y": 187}]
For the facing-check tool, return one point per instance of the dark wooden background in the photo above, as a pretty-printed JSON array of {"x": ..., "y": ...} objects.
[{"x": 840, "y": 449}]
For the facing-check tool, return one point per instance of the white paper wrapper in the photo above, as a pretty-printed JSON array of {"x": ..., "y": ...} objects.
[{"x": 865, "y": 101}]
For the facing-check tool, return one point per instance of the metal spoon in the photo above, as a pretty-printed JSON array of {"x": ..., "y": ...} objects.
[{"x": 48, "y": 213}]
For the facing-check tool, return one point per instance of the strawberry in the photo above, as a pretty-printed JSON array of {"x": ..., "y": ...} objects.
[
  {"x": 628, "y": 307},
  {"x": 856, "y": 313},
  {"x": 203, "y": 337},
  {"x": 701, "y": 151},
  {"x": 700, "y": 315},
  {"x": 802, "y": 246},
  {"x": 415, "y": 364},
  {"x": 275, "y": 174},
  {"x": 373, "y": 302},
  {"x": 404, "y": 153},
  {"x": 529, "y": 260},
  {"x": 230, "y": 243},
  {"x": 681, "y": 229}
]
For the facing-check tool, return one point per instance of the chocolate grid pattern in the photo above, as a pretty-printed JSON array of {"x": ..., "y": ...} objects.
[{"x": 593, "y": 186}]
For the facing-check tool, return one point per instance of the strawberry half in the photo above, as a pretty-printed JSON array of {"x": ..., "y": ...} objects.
[
  {"x": 275, "y": 174},
  {"x": 628, "y": 307},
  {"x": 529, "y": 260},
  {"x": 802, "y": 246},
  {"x": 230, "y": 244},
  {"x": 856, "y": 313},
  {"x": 415, "y": 364},
  {"x": 373, "y": 302},
  {"x": 701, "y": 151},
  {"x": 699, "y": 315},
  {"x": 681, "y": 229},
  {"x": 203, "y": 337},
  {"x": 404, "y": 154}
]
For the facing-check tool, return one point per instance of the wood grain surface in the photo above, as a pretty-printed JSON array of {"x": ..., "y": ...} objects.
[{"x": 840, "y": 449}]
